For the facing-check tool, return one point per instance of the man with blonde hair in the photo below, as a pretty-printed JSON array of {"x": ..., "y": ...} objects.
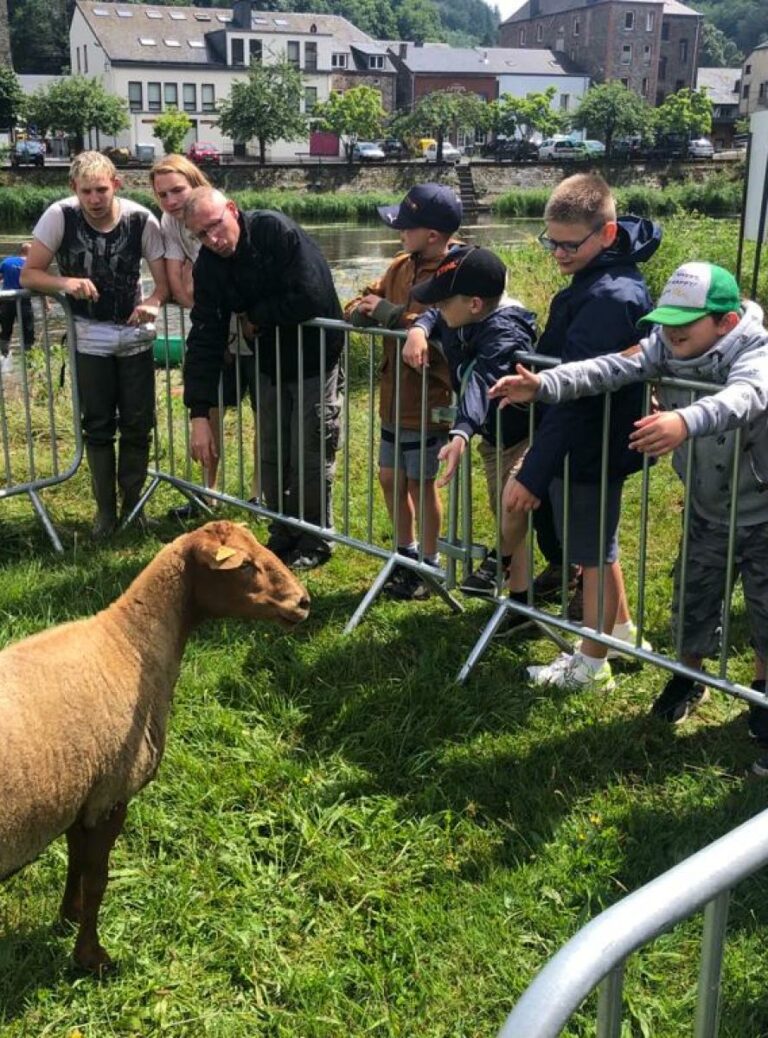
[
  {"x": 99, "y": 241},
  {"x": 263, "y": 265}
]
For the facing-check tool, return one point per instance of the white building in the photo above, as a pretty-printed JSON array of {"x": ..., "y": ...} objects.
[{"x": 187, "y": 58}]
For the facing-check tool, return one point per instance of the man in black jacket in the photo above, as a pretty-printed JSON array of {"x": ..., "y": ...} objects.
[{"x": 264, "y": 267}]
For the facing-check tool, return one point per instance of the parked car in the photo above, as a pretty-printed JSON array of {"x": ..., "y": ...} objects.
[
  {"x": 393, "y": 148},
  {"x": 668, "y": 146},
  {"x": 367, "y": 151},
  {"x": 204, "y": 154},
  {"x": 701, "y": 148},
  {"x": 28, "y": 153},
  {"x": 423, "y": 143},
  {"x": 450, "y": 153},
  {"x": 596, "y": 149},
  {"x": 511, "y": 149},
  {"x": 563, "y": 151}
]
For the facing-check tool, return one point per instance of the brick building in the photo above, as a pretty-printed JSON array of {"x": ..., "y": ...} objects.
[{"x": 649, "y": 45}]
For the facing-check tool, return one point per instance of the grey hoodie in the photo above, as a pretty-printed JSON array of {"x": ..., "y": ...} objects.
[{"x": 739, "y": 363}]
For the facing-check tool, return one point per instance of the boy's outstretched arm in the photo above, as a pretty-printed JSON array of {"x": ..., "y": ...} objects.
[
  {"x": 516, "y": 389},
  {"x": 659, "y": 433}
]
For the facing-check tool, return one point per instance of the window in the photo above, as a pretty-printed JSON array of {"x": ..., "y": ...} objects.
[
  {"x": 189, "y": 93},
  {"x": 202, "y": 17},
  {"x": 208, "y": 97},
  {"x": 178, "y": 16},
  {"x": 665, "y": 30},
  {"x": 375, "y": 61},
  {"x": 576, "y": 26},
  {"x": 310, "y": 57},
  {"x": 238, "y": 52},
  {"x": 745, "y": 92},
  {"x": 153, "y": 97},
  {"x": 647, "y": 53},
  {"x": 223, "y": 18},
  {"x": 761, "y": 91},
  {"x": 280, "y": 21},
  {"x": 629, "y": 20},
  {"x": 254, "y": 51},
  {"x": 85, "y": 58},
  {"x": 662, "y": 68},
  {"x": 310, "y": 99},
  {"x": 134, "y": 97},
  {"x": 125, "y": 14},
  {"x": 154, "y": 14},
  {"x": 539, "y": 33},
  {"x": 100, "y": 11},
  {"x": 572, "y": 54},
  {"x": 171, "y": 95},
  {"x": 196, "y": 43},
  {"x": 292, "y": 53},
  {"x": 565, "y": 101},
  {"x": 338, "y": 60},
  {"x": 644, "y": 88},
  {"x": 521, "y": 38},
  {"x": 78, "y": 60},
  {"x": 171, "y": 43},
  {"x": 626, "y": 53},
  {"x": 147, "y": 41},
  {"x": 650, "y": 21},
  {"x": 683, "y": 51},
  {"x": 624, "y": 83},
  {"x": 748, "y": 70}
]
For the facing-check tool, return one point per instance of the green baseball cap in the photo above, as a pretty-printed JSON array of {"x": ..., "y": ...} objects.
[{"x": 693, "y": 291}]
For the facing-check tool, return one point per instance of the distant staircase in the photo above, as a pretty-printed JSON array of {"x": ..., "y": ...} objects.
[{"x": 467, "y": 190}]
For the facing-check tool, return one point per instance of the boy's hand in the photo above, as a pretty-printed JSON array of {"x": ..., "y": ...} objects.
[
  {"x": 145, "y": 313},
  {"x": 516, "y": 389},
  {"x": 81, "y": 288},
  {"x": 518, "y": 498},
  {"x": 416, "y": 349},
  {"x": 659, "y": 433},
  {"x": 451, "y": 454},
  {"x": 368, "y": 304},
  {"x": 202, "y": 447}
]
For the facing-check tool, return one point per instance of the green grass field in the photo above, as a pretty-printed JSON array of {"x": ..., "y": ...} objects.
[{"x": 343, "y": 842}]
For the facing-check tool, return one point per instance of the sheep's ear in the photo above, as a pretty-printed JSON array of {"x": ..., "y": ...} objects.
[{"x": 220, "y": 556}]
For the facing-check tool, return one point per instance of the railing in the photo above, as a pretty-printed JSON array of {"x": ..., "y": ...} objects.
[{"x": 598, "y": 952}]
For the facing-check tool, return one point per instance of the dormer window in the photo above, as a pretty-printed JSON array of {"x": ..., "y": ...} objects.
[
  {"x": 376, "y": 61},
  {"x": 338, "y": 60}
]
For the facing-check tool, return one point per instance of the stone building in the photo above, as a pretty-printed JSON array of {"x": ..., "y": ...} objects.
[
  {"x": 651, "y": 46},
  {"x": 723, "y": 86},
  {"x": 754, "y": 81}
]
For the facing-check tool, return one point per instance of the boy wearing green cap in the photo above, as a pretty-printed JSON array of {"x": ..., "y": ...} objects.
[{"x": 701, "y": 330}]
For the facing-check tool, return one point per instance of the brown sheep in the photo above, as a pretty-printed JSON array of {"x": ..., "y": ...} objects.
[{"x": 84, "y": 706}]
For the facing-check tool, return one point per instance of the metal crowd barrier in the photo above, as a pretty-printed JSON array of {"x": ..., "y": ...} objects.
[
  {"x": 596, "y": 955},
  {"x": 40, "y": 437}
]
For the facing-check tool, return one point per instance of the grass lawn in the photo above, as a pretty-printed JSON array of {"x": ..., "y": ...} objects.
[{"x": 341, "y": 841}]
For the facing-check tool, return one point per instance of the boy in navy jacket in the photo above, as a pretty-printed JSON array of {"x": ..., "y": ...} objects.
[{"x": 596, "y": 313}]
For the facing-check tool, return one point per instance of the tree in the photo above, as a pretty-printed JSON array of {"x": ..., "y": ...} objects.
[
  {"x": 171, "y": 128},
  {"x": 11, "y": 97},
  {"x": 355, "y": 114},
  {"x": 716, "y": 50},
  {"x": 76, "y": 105},
  {"x": 687, "y": 112},
  {"x": 446, "y": 111},
  {"x": 265, "y": 106},
  {"x": 528, "y": 115},
  {"x": 418, "y": 20},
  {"x": 39, "y": 35},
  {"x": 611, "y": 110}
]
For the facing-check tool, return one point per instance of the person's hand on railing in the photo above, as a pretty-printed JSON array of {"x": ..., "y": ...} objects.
[
  {"x": 416, "y": 348},
  {"x": 145, "y": 313},
  {"x": 451, "y": 454},
  {"x": 368, "y": 304},
  {"x": 659, "y": 433},
  {"x": 516, "y": 389},
  {"x": 518, "y": 498},
  {"x": 202, "y": 447},
  {"x": 80, "y": 288}
]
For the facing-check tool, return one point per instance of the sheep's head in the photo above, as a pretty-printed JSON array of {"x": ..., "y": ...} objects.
[{"x": 234, "y": 575}]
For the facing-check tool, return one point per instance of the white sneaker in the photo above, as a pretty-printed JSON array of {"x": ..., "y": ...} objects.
[{"x": 572, "y": 672}]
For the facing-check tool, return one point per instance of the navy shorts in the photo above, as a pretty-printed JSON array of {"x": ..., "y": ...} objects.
[{"x": 583, "y": 520}]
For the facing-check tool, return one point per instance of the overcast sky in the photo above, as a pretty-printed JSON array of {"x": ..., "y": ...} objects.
[{"x": 506, "y": 7}]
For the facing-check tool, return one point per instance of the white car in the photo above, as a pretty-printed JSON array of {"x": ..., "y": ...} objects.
[
  {"x": 563, "y": 151},
  {"x": 367, "y": 151},
  {"x": 701, "y": 148},
  {"x": 450, "y": 153}
]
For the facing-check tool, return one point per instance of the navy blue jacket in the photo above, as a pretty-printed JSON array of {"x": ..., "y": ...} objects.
[
  {"x": 487, "y": 350},
  {"x": 596, "y": 314}
]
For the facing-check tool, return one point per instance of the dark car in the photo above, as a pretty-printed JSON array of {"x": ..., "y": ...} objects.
[
  {"x": 510, "y": 149},
  {"x": 669, "y": 146},
  {"x": 392, "y": 148},
  {"x": 28, "y": 153}
]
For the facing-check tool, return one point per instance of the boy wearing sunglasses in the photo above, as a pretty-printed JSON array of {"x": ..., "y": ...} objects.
[{"x": 596, "y": 313}]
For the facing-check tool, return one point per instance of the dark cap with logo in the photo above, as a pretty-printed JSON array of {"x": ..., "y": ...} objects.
[
  {"x": 433, "y": 206},
  {"x": 466, "y": 271}
]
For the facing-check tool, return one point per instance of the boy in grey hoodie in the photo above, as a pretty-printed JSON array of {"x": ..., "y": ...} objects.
[{"x": 702, "y": 330}]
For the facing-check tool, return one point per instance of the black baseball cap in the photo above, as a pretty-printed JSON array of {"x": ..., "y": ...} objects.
[
  {"x": 467, "y": 270},
  {"x": 433, "y": 206}
]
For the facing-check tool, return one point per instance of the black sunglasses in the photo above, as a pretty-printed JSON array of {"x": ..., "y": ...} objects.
[{"x": 570, "y": 247}]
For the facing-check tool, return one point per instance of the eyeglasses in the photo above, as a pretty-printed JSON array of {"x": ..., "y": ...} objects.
[
  {"x": 569, "y": 247},
  {"x": 206, "y": 232}
]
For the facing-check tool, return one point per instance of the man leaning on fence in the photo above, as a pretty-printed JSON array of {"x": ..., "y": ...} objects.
[{"x": 262, "y": 265}]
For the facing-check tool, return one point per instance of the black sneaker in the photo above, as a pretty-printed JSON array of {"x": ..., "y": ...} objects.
[
  {"x": 308, "y": 558},
  {"x": 679, "y": 698},
  {"x": 549, "y": 582},
  {"x": 482, "y": 583},
  {"x": 406, "y": 585},
  {"x": 184, "y": 512}
]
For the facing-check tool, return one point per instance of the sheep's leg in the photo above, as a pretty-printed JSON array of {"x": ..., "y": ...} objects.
[{"x": 86, "y": 882}]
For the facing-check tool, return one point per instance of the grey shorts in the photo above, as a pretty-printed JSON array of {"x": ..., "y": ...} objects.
[
  {"x": 583, "y": 520},
  {"x": 702, "y": 605},
  {"x": 410, "y": 451}
]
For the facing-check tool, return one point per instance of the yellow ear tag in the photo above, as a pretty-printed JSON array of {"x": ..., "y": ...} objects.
[{"x": 224, "y": 553}]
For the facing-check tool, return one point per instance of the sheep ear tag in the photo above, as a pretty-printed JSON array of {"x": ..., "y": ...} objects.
[{"x": 227, "y": 558}]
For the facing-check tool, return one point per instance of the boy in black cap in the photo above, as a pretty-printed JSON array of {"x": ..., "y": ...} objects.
[
  {"x": 481, "y": 333},
  {"x": 427, "y": 218}
]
